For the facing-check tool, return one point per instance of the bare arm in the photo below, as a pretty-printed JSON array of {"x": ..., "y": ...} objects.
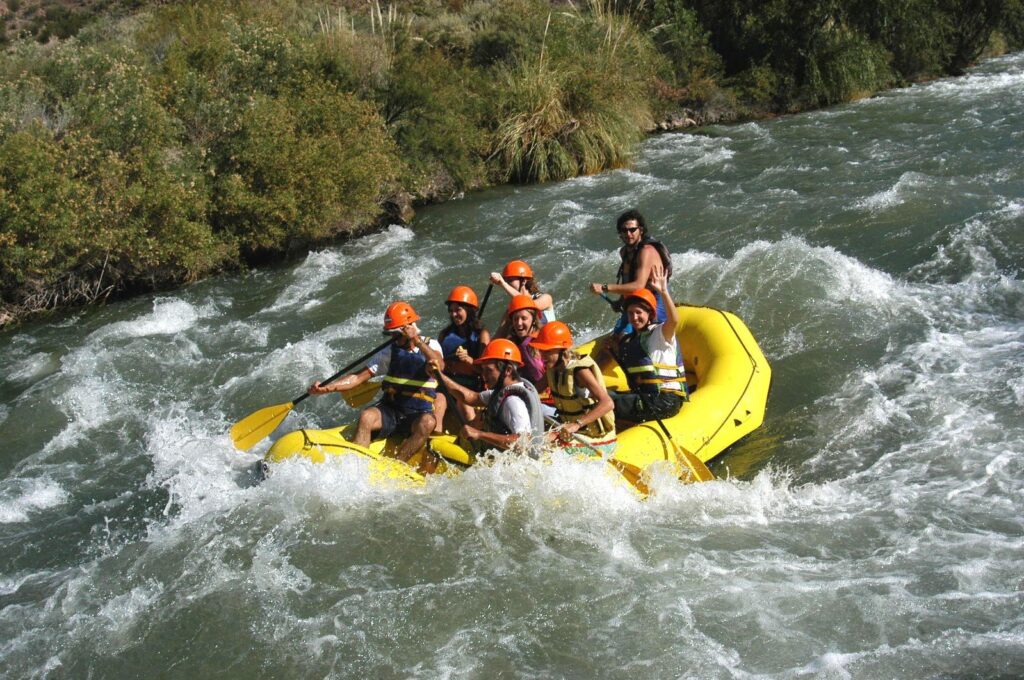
[
  {"x": 463, "y": 394},
  {"x": 544, "y": 302},
  {"x": 501, "y": 441},
  {"x": 660, "y": 284},
  {"x": 341, "y": 384},
  {"x": 586, "y": 377},
  {"x": 648, "y": 259},
  {"x": 432, "y": 355},
  {"x": 499, "y": 280}
]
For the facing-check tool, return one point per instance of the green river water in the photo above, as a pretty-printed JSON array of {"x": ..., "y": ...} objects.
[{"x": 872, "y": 528}]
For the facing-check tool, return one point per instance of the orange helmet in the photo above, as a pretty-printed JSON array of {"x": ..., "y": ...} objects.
[
  {"x": 517, "y": 269},
  {"x": 501, "y": 350},
  {"x": 646, "y": 297},
  {"x": 554, "y": 335},
  {"x": 463, "y": 295},
  {"x": 522, "y": 302},
  {"x": 399, "y": 314}
]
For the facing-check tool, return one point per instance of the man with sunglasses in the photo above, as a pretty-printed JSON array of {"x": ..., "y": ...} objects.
[{"x": 640, "y": 254}]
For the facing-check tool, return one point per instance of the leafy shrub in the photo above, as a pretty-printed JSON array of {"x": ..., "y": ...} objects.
[
  {"x": 844, "y": 66},
  {"x": 297, "y": 170},
  {"x": 679, "y": 35}
]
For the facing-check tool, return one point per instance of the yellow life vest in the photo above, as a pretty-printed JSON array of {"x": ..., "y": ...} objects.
[{"x": 571, "y": 403}]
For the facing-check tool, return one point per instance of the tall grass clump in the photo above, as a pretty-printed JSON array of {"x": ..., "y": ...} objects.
[{"x": 581, "y": 103}]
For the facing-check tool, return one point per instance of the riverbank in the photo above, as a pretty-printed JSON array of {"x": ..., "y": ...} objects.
[{"x": 158, "y": 147}]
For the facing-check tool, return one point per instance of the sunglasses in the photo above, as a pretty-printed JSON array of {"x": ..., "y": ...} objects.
[{"x": 628, "y": 230}]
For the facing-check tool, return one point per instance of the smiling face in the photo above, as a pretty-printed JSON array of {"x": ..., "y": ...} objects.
[
  {"x": 630, "y": 233},
  {"x": 522, "y": 322},
  {"x": 457, "y": 313},
  {"x": 639, "y": 316}
]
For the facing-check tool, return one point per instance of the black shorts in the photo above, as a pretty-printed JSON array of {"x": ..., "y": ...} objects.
[
  {"x": 395, "y": 420},
  {"x": 630, "y": 407}
]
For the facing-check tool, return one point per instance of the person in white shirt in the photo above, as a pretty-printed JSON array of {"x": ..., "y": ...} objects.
[
  {"x": 513, "y": 408},
  {"x": 648, "y": 355}
]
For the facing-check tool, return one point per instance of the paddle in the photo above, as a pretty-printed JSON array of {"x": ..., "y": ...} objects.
[
  {"x": 361, "y": 395},
  {"x": 615, "y": 304},
  {"x": 483, "y": 305},
  {"x": 698, "y": 470},
  {"x": 255, "y": 426}
]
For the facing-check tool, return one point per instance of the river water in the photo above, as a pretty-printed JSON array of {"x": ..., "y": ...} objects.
[{"x": 871, "y": 529}]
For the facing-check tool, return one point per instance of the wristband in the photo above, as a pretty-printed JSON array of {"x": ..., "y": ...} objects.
[{"x": 604, "y": 287}]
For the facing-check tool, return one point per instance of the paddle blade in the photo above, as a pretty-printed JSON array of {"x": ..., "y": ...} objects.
[
  {"x": 698, "y": 470},
  {"x": 361, "y": 395},
  {"x": 257, "y": 425}
]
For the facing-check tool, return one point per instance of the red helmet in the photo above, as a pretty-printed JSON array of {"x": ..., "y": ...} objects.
[
  {"x": 501, "y": 349},
  {"x": 399, "y": 314},
  {"x": 463, "y": 295},
  {"x": 517, "y": 269},
  {"x": 522, "y": 302},
  {"x": 554, "y": 335},
  {"x": 646, "y": 297}
]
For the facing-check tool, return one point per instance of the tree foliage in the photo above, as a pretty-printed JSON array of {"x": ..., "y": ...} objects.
[{"x": 147, "y": 150}]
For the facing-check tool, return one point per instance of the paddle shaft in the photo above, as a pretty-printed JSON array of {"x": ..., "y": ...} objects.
[
  {"x": 347, "y": 368},
  {"x": 698, "y": 466},
  {"x": 483, "y": 305}
]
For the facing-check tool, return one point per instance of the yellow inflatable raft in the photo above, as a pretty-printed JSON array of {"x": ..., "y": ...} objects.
[{"x": 727, "y": 374}]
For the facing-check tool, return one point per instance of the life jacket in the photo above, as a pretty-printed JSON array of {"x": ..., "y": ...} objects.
[
  {"x": 643, "y": 375},
  {"x": 666, "y": 260},
  {"x": 408, "y": 385},
  {"x": 533, "y": 366},
  {"x": 451, "y": 340},
  {"x": 523, "y": 390},
  {"x": 570, "y": 400},
  {"x": 547, "y": 315}
]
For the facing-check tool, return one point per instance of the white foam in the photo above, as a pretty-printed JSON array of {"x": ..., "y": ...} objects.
[
  {"x": 169, "y": 317},
  {"x": 89, "y": 403},
  {"x": 909, "y": 184},
  {"x": 20, "y": 498},
  {"x": 308, "y": 279},
  {"x": 197, "y": 467},
  {"x": 415, "y": 276},
  {"x": 32, "y": 367}
]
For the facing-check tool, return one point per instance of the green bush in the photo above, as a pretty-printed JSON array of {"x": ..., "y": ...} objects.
[
  {"x": 679, "y": 36},
  {"x": 298, "y": 170},
  {"x": 845, "y": 65}
]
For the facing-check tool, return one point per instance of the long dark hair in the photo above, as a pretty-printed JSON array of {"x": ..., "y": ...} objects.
[{"x": 472, "y": 321}]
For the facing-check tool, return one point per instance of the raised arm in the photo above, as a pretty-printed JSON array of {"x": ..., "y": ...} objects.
[
  {"x": 432, "y": 355},
  {"x": 499, "y": 280},
  {"x": 660, "y": 284}
]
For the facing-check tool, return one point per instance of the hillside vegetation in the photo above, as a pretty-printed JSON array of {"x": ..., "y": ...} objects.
[{"x": 147, "y": 145}]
